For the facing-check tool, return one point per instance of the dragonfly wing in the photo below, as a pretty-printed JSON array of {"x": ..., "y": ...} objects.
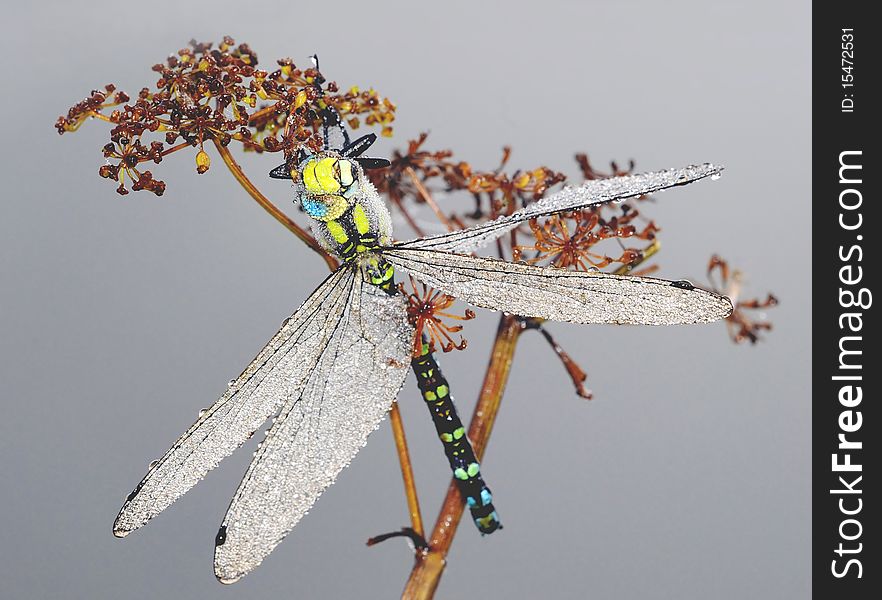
[
  {"x": 277, "y": 373},
  {"x": 558, "y": 294},
  {"x": 349, "y": 390},
  {"x": 591, "y": 193}
]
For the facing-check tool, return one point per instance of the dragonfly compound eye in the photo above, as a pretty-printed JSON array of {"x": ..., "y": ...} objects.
[{"x": 330, "y": 175}]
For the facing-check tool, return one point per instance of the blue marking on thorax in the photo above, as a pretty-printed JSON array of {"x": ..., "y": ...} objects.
[{"x": 314, "y": 208}]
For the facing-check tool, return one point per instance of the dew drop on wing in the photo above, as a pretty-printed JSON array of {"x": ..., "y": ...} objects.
[
  {"x": 152, "y": 464},
  {"x": 716, "y": 176},
  {"x": 135, "y": 491},
  {"x": 221, "y": 536},
  {"x": 231, "y": 383},
  {"x": 683, "y": 284},
  {"x": 202, "y": 412}
]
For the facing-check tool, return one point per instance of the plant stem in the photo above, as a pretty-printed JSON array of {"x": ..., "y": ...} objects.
[
  {"x": 271, "y": 208},
  {"x": 410, "y": 491},
  {"x": 427, "y": 198},
  {"x": 263, "y": 112},
  {"x": 429, "y": 567},
  {"x": 100, "y": 117},
  {"x": 647, "y": 252}
]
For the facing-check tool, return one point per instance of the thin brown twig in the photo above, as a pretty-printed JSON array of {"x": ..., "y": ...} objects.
[
  {"x": 167, "y": 151},
  {"x": 427, "y": 197},
  {"x": 410, "y": 491},
  {"x": 260, "y": 114},
  {"x": 101, "y": 117},
  {"x": 646, "y": 254},
  {"x": 271, "y": 208},
  {"x": 418, "y": 231}
]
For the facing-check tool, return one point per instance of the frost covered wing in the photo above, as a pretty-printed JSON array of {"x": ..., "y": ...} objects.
[
  {"x": 277, "y": 374},
  {"x": 558, "y": 294},
  {"x": 598, "y": 191},
  {"x": 350, "y": 388}
]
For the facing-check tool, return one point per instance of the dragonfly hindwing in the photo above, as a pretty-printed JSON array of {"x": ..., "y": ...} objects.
[
  {"x": 351, "y": 384},
  {"x": 277, "y": 373},
  {"x": 558, "y": 294}
]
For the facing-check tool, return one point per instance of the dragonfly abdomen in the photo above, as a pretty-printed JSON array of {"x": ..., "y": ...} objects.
[{"x": 466, "y": 469}]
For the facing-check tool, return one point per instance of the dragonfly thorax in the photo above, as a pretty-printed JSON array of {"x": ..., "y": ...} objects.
[{"x": 349, "y": 218}]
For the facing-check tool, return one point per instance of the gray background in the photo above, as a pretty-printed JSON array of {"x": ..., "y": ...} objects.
[{"x": 687, "y": 476}]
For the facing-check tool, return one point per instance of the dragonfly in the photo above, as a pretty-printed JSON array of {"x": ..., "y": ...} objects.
[{"x": 329, "y": 376}]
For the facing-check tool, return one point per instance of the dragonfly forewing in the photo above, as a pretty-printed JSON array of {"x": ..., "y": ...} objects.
[
  {"x": 276, "y": 374},
  {"x": 591, "y": 193},
  {"x": 351, "y": 386}
]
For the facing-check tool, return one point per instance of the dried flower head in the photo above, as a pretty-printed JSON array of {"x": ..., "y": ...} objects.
[
  {"x": 205, "y": 93},
  {"x": 416, "y": 172},
  {"x": 569, "y": 240},
  {"x": 426, "y": 310},
  {"x": 741, "y": 324}
]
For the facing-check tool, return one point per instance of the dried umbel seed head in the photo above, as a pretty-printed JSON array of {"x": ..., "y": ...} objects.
[
  {"x": 748, "y": 319},
  {"x": 205, "y": 93},
  {"x": 426, "y": 310},
  {"x": 570, "y": 240}
]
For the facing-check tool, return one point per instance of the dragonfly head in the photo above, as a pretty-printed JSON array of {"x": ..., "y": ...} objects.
[{"x": 329, "y": 182}]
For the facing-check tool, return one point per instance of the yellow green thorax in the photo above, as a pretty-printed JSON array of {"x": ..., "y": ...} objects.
[
  {"x": 337, "y": 232},
  {"x": 349, "y": 218},
  {"x": 364, "y": 241},
  {"x": 362, "y": 224}
]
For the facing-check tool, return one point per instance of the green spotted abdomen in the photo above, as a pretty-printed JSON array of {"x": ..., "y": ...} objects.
[{"x": 466, "y": 469}]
